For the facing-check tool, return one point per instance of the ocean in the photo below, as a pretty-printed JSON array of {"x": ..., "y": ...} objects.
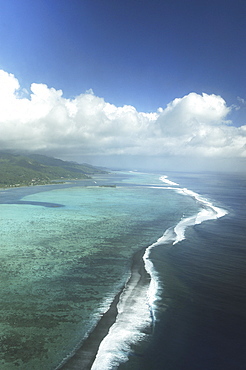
[{"x": 67, "y": 250}]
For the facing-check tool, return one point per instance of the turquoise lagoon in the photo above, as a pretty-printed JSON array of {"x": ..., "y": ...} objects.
[{"x": 66, "y": 251}]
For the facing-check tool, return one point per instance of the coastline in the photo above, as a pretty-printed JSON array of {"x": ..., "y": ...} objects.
[{"x": 84, "y": 356}]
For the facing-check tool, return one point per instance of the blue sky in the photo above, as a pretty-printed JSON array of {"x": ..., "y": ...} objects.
[{"x": 143, "y": 54}]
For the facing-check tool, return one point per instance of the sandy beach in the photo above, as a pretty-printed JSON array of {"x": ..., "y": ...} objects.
[{"x": 85, "y": 355}]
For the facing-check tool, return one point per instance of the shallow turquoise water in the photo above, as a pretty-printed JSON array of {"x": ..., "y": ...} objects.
[{"x": 62, "y": 265}]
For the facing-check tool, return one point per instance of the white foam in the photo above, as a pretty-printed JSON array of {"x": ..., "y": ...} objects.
[
  {"x": 133, "y": 317},
  {"x": 161, "y": 187},
  {"x": 177, "y": 234},
  {"x": 180, "y": 228},
  {"x": 153, "y": 292},
  {"x": 165, "y": 179},
  {"x": 209, "y": 211},
  {"x": 137, "y": 309}
]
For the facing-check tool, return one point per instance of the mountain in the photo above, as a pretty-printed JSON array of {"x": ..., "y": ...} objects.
[{"x": 35, "y": 169}]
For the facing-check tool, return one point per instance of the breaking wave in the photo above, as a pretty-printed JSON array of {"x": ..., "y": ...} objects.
[{"x": 138, "y": 303}]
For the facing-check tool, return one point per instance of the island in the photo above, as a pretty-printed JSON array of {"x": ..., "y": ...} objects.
[{"x": 18, "y": 169}]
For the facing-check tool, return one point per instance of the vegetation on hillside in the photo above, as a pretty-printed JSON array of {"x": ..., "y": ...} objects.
[{"x": 35, "y": 169}]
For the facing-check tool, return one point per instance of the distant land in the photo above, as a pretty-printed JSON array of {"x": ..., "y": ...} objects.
[{"x": 18, "y": 169}]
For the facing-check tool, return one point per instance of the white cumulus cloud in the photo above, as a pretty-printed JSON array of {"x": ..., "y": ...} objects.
[{"x": 194, "y": 125}]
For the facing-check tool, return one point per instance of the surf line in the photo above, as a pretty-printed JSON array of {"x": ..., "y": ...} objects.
[
  {"x": 138, "y": 302},
  {"x": 174, "y": 235}
]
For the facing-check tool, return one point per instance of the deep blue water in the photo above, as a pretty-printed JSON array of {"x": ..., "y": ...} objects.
[{"x": 204, "y": 280}]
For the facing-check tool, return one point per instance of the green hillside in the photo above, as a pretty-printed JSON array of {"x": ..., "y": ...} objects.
[{"x": 35, "y": 169}]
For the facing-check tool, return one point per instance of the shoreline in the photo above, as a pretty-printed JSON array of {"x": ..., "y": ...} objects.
[
  {"x": 85, "y": 355},
  {"x": 55, "y": 182}
]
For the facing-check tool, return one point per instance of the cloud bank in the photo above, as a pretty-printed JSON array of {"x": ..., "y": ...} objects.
[{"x": 194, "y": 126}]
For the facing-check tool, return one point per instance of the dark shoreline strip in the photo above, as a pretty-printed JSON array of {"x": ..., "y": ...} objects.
[{"x": 86, "y": 354}]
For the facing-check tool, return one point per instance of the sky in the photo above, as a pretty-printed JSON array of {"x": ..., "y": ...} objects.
[{"x": 154, "y": 84}]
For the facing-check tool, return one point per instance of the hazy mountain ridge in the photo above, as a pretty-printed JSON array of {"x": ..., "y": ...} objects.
[{"x": 35, "y": 169}]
